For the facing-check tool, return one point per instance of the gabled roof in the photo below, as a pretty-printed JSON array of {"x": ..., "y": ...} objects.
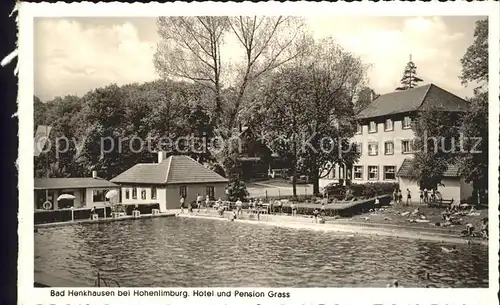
[
  {"x": 406, "y": 170},
  {"x": 71, "y": 183},
  {"x": 419, "y": 98},
  {"x": 173, "y": 170}
]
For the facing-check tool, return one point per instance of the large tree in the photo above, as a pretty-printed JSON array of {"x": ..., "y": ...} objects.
[
  {"x": 475, "y": 60},
  {"x": 364, "y": 98},
  {"x": 435, "y": 145},
  {"x": 410, "y": 78},
  {"x": 474, "y": 162},
  {"x": 309, "y": 110},
  {"x": 197, "y": 49}
]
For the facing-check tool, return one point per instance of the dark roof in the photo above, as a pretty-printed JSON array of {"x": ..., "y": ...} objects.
[
  {"x": 419, "y": 98},
  {"x": 174, "y": 169},
  {"x": 406, "y": 170},
  {"x": 71, "y": 183}
]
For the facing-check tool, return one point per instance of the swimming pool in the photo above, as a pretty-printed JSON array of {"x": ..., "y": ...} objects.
[{"x": 183, "y": 252}]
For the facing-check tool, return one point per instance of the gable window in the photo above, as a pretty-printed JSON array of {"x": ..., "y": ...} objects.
[
  {"x": 389, "y": 173},
  {"x": 358, "y": 172},
  {"x": 373, "y": 149},
  {"x": 372, "y": 172},
  {"x": 359, "y": 129},
  {"x": 406, "y": 122},
  {"x": 210, "y": 191},
  {"x": 134, "y": 193},
  {"x": 153, "y": 192},
  {"x": 183, "y": 191},
  {"x": 389, "y": 148},
  {"x": 407, "y": 146},
  {"x": 143, "y": 194},
  {"x": 388, "y": 125},
  {"x": 372, "y": 127},
  {"x": 127, "y": 194}
]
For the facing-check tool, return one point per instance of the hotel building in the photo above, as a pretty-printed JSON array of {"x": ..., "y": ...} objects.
[{"x": 385, "y": 139}]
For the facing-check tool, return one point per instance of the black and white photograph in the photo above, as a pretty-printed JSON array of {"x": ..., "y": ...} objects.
[{"x": 261, "y": 150}]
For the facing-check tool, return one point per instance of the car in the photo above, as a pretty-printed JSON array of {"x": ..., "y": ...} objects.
[
  {"x": 277, "y": 173},
  {"x": 334, "y": 189}
]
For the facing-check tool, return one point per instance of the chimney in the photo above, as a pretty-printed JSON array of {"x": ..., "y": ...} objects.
[
  {"x": 371, "y": 96},
  {"x": 94, "y": 174},
  {"x": 161, "y": 156}
]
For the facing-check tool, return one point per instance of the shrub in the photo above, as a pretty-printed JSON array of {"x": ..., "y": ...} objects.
[
  {"x": 237, "y": 190},
  {"x": 372, "y": 189}
]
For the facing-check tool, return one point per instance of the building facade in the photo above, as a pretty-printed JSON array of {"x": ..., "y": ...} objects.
[
  {"x": 169, "y": 179},
  {"x": 87, "y": 192},
  {"x": 385, "y": 138}
]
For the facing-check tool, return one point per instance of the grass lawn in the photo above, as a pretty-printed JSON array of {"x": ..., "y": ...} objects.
[
  {"x": 393, "y": 215},
  {"x": 276, "y": 187}
]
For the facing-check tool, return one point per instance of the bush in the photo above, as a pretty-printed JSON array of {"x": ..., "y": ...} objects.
[
  {"x": 372, "y": 189},
  {"x": 237, "y": 190}
]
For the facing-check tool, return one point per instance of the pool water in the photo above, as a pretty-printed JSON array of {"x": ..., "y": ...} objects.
[{"x": 183, "y": 252}]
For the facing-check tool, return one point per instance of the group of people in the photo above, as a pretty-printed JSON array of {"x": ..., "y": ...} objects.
[
  {"x": 397, "y": 196},
  {"x": 428, "y": 196}
]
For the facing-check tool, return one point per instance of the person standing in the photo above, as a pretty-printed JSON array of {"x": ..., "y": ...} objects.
[
  {"x": 426, "y": 196},
  {"x": 207, "y": 202},
  {"x": 199, "y": 199},
  {"x": 408, "y": 197},
  {"x": 181, "y": 202},
  {"x": 239, "y": 211}
]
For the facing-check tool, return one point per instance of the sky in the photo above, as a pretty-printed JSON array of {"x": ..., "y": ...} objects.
[{"x": 75, "y": 55}]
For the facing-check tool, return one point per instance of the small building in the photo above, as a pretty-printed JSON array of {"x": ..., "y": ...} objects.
[
  {"x": 88, "y": 192},
  {"x": 385, "y": 137},
  {"x": 169, "y": 179}
]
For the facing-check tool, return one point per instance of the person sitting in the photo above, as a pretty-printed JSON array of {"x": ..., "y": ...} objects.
[
  {"x": 315, "y": 214},
  {"x": 221, "y": 210},
  {"x": 469, "y": 230}
]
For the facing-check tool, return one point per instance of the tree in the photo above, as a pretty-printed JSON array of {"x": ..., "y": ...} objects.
[
  {"x": 308, "y": 106},
  {"x": 237, "y": 190},
  {"x": 473, "y": 163},
  {"x": 410, "y": 78},
  {"x": 364, "y": 98},
  {"x": 475, "y": 60},
  {"x": 190, "y": 48},
  {"x": 435, "y": 144}
]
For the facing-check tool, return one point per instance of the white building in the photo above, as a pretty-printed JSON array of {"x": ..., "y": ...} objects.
[
  {"x": 169, "y": 179},
  {"x": 385, "y": 138}
]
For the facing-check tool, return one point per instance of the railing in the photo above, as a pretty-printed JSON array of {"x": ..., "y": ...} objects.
[{"x": 105, "y": 281}]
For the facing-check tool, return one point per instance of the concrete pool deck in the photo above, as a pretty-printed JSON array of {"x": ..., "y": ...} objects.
[
  {"x": 298, "y": 222},
  {"x": 102, "y": 220}
]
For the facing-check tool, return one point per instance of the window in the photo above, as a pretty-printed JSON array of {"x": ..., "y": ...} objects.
[
  {"x": 359, "y": 129},
  {"x": 388, "y": 125},
  {"x": 358, "y": 172},
  {"x": 389, "y": 148},
  {"x": 134, "y": 193},
  {"x": 406, "y": 146},
  {"x": 406, "y": 122},
  {"x": 359, "y": 147},
  {"x": 143, "y": 194},
  {"x": 373, "y": 127},
  {"x": 183, "y": 191},
  {"x": 333, "y": 171},
  {"x": 127, "y": 194},
  {"x": 210, "y": 192},
  {"x": 372, "y": 172},
  {"x": 99, "y": 195},
  {"x": 389, "y": 173},
  {"x": 373, "y": 149},
  {"x": 153, "y": 192}
]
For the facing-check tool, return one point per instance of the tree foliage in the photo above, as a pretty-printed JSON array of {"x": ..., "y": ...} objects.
[
  {"x": 308, "y": 111},
  {"x": 475, "y": 60},
  {"x": 435, "y": 145},
  {"x": 410, "y": 78},
  {"x": 364, "y": 98}
]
